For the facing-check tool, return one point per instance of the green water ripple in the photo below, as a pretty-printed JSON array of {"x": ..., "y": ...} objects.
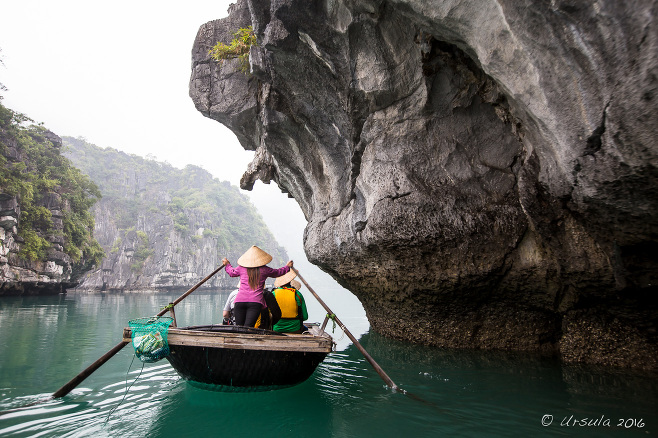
[{"x": 452, "y": 393}]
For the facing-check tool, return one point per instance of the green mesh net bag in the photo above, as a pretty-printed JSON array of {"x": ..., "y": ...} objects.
[{"x": 149, "y": 337}]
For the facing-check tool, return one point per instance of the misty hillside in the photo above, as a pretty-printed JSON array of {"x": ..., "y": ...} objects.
[{"x": 163, "y": 227}]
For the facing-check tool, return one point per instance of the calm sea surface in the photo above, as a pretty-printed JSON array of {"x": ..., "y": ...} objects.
[{"x": 46, "y": 341}]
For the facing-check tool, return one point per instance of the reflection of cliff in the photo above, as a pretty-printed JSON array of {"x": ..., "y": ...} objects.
[
  {"x": 163, "y": 227},
  {"x": 480, "y": 174},
  {"x": 450, "y": 374}
]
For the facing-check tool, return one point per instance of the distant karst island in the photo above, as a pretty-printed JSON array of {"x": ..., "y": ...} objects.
[{"x": 163, "y": 227}]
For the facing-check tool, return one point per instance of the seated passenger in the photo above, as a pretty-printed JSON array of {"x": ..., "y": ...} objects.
[
  {"x": 270, "y": 314},
  {"x": 292, "y": 305},
  {"x": 227, "y": 313}
]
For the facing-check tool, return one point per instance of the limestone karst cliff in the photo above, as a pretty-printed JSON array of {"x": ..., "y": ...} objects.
[
  {"x": 162, "y": 227},
  {"x": 46, "y": 240},
  {"x": 480, "y": 174}
]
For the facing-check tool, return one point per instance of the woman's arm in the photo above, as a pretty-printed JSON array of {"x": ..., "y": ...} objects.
[
  {"x": 279, "y": 272},
  {"x": 230, "y": 270}
]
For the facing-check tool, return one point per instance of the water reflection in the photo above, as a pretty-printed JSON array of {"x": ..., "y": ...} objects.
[
  {"x": 494, "y": 393},
  {"x": 338, "y": 377},
  {"x": 47, "y": 340},
  {"x": 93, "y": 412}
]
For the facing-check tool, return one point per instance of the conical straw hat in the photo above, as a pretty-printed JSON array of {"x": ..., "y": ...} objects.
[
  {"x": 285, "y": 278},
  {"x": 296, "y": 284},
  {"x": 254, "y": 257}
]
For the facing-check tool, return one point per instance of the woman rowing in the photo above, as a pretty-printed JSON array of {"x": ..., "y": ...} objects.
[{"x": 253, "y": 272}]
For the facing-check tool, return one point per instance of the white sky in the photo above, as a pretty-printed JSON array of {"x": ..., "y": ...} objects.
[{"x": 117, "y": 73}]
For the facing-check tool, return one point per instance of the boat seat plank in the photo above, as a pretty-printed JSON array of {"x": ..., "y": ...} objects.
[{"x": 199, "y": 338}]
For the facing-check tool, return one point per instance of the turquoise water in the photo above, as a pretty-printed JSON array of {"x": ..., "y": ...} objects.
[{"x": 47, "y": 340}]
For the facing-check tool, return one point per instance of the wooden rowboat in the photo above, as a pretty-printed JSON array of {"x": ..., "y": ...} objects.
[
  {"x": 228, "y": 358},
  {"x": 235, "y": 358}
]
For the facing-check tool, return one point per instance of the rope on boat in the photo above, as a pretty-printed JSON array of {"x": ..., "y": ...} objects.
[
  {"x": 332, "y": 317},
  {"x": 127, "y": 388},
  {"x": 168, "y": 307}
]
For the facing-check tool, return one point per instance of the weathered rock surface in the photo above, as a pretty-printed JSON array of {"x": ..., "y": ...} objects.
[
  {"x": 52, "y": 274},
  {"x": 480, "y": 174}
]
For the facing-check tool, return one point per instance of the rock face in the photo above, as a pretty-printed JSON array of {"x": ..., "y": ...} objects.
[
  {"x": 54, "y": 272},
  {"x": 480, "y": 174},
  {"x": 162, "y": 227},
  {"x": 18, "y": 276}
]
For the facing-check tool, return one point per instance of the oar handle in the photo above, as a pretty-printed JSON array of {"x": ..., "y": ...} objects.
[
  {"x": 61, "y": 392},
  {"x": 363, "y": 351}
]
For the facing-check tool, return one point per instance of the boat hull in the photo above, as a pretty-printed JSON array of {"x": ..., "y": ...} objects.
[
  {"x": 256, "y": 369},
  {"x": 230, "y": 358}
]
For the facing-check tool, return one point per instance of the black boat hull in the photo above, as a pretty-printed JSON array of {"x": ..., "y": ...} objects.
[{"x": 237, "y": 368}]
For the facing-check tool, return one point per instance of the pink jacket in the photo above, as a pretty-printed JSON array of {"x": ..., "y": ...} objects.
[{"x": 246, "y": 293}]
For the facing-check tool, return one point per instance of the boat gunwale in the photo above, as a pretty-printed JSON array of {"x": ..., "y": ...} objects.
[{"x": 244, "y": 341}]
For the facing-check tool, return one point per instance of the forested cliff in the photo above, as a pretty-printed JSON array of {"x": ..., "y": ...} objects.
[
  {"x": 163, "y": 227},
  {"x": 46, "y": 240}
]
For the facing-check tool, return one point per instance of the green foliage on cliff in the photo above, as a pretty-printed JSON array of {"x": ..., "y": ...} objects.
[
  {"x": 33, "y": 170},
  {"x": 237, "y": 48},
  {"x": 186, "y": 204},
  {"x": 142, "y": 252},
  {"x": 34, "y": 247}
]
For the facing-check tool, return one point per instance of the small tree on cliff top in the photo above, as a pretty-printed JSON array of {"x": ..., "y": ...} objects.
[
  {"x": 2, "y": 87},
  {"x": 238, "y": 48}
]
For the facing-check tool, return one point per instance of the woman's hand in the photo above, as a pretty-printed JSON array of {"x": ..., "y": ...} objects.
[
  {"x": 225, "y": 261},
  {"x": 289, "y": 264}
]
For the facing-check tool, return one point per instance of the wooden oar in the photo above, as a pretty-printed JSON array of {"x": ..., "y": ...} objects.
[
  {"x": 363, "y": 351},
  {"x": 61, "y": 392}
]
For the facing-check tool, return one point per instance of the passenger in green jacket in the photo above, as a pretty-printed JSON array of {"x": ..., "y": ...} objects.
[{"x": 291, "y": 302}]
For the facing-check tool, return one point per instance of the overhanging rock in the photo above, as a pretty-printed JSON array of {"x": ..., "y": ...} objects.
[{"x": 478, "y": 173}]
